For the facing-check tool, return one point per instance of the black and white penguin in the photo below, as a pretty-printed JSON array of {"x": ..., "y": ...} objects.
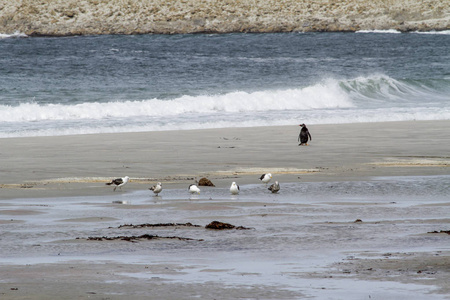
[{"x": 303, "y": 136}]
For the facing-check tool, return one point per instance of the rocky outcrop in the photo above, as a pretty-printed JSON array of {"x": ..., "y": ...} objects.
[{"x": 80, "y": 17}]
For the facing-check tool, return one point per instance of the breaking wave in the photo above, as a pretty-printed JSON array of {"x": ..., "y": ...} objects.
[
  {"x": 376, "y": 98},
  {"x": 320, "y": 96}
]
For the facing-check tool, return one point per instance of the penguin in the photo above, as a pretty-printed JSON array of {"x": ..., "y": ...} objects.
[{"x": 303, "y": 136}]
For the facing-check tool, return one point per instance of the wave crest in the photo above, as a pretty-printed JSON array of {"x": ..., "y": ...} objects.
[
  {"x": 377, "y": 98},
  {"x": 321, "y": 96},
  {"x": 383, "y": 90}
]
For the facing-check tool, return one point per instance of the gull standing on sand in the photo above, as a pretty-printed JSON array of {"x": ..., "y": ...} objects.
[
  {"x": 193, "y": 188},
  {"x": 119, "y": 182},
  {"x": 156, "y": 188},
  {"x": 266, "y": 178},
  {"x": 234, "y": 189},
  {"x": 274, "y": 188}
]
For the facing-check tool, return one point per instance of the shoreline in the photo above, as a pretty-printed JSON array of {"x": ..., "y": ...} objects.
[
  {"x": 443, "y": 30},
  {"x": 68, "y": 18},
  {"x": 82, "y": 164}
]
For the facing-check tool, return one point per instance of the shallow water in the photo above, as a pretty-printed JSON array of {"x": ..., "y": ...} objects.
[{"x": 303, "y": 230}]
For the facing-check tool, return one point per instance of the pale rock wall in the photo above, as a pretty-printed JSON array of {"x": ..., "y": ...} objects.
[{"x": 78, "y": 17}]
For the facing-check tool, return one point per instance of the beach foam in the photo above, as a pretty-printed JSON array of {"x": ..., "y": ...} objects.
[
  {"x": 320, "y": 96},
  {"x": 374, "y": 98},
  {"x": 13, "y": 35},
  {"x": 378, "y": 31},
  {"x": 447, "y": 32}
]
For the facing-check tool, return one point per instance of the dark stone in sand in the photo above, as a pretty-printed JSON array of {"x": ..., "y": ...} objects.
[
  {"x": 205, "y": 182},
  {"x": 220, "y": 226}
]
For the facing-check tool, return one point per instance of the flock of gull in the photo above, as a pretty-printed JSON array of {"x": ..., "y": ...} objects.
[
  {"x": 194, "y": 189},
  {"x": 303, "y": 138}
]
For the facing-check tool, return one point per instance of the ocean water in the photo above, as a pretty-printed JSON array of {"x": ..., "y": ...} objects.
[{"x": 93, "y": 84}]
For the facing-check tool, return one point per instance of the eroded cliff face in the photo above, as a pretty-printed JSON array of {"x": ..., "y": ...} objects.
[{"x": 75, "y": 17}]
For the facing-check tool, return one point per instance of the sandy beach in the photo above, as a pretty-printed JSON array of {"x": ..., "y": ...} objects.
[
  {"x": 348, "y": 172},
  {"x": 70, "y": 165}
]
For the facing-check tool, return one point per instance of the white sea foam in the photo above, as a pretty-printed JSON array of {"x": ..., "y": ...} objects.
[
  {"x": 376, "y": 98},
  {"x": 320, "y": 96},
  {"x": 378, "y": 31},
  {"x": 13, "y": 35},
  {"x": 446, "y": 32},
  {"x": 340, "y": 116}
]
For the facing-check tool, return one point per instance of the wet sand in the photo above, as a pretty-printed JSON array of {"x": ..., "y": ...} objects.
[{"x": 303, "y": 242}]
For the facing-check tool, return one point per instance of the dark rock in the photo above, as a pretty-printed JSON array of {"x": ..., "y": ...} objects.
[
  {"x": 219, "y": 225},
  {"x": 205, "y": 182}
]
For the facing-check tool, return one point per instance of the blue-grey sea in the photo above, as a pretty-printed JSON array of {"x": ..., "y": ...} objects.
[{"x": 93, "y": 84}]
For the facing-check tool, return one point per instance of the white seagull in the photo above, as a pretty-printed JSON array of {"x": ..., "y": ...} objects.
[
  {"x": 119, "y": 182},
  {"x": 274, "y": 188},
  {"x": 265, "y": 178},
  {"x": 193, "y": 188},
  {"x": 234, "y": 189},
  {"x": 156, "y": 188}
]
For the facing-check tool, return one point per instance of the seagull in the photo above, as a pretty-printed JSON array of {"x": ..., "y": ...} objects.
[
  {"x": 119, "y": 182},
  {"x": 156, "y": 188},
  {"x": 193, "y": 188},
  {"x": 274, "y": 188},
  {"x": 234, "y": 189},
  {"x": 265, "y": 178}
]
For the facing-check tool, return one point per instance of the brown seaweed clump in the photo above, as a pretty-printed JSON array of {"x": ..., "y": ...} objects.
[
  {"x": 158, "y": 225},
  {"x": 442, "y": 231},
  {"x": 205, "y": 182},
  {"x": 137, "y": 238},
  {"x": 221, "y": 226}
]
